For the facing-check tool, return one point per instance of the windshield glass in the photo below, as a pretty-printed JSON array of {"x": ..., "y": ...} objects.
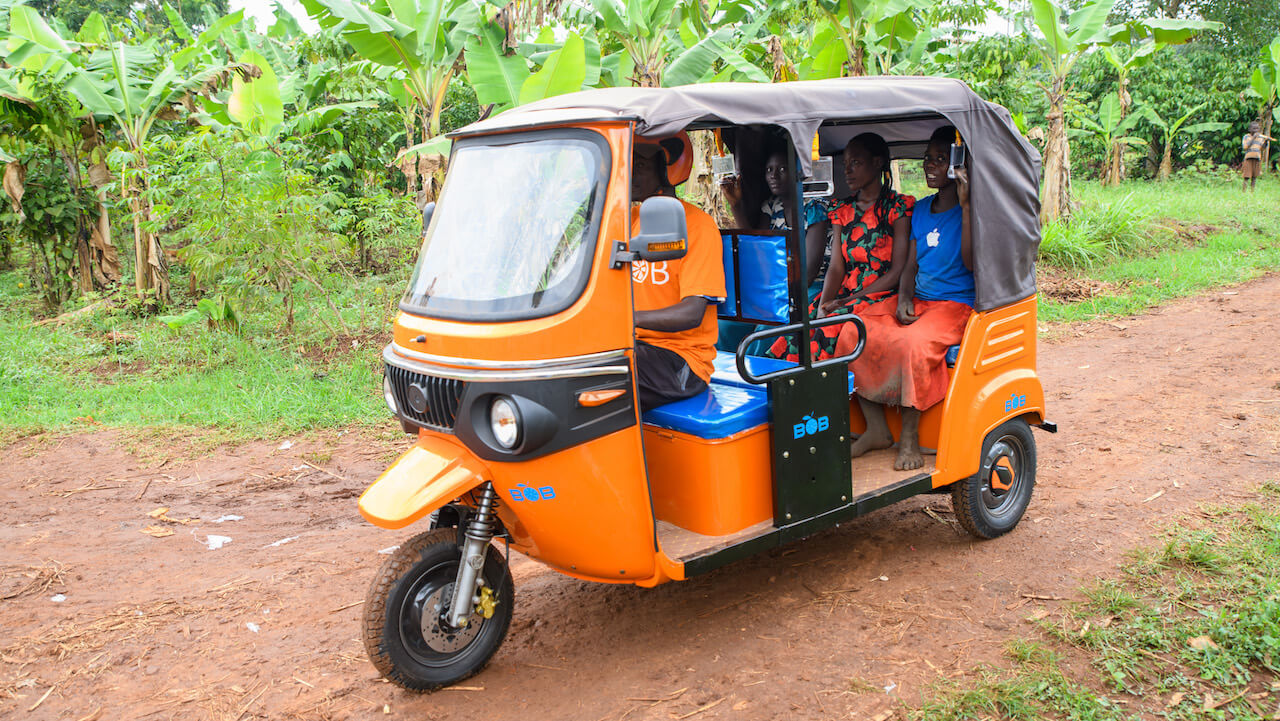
[{"x": 513, "y": 234}]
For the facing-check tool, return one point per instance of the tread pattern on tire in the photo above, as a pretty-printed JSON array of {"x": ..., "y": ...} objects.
[
  {"x": 375, "y": 605},
  {"x": 965, "y": 499}
]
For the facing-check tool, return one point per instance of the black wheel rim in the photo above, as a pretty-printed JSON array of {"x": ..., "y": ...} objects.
[
  {"x": 1003, "y": 476},
  {"x": 431, "y": 588}
]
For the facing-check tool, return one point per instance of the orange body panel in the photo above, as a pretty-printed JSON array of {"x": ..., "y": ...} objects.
[
  {"x": 599, "y": 320},
  {"x": 435, "y": 471},
  {"x": 711, "y": 487},
  {"x": 598, "y": 524},
  {"x": 994, "y": 380}
]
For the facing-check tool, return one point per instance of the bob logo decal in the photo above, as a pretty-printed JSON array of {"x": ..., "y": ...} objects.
[
  {"x": 1014, "y": 402},
  {"x": 810, "y": 426},
  {"x": 523, "y": 492}
]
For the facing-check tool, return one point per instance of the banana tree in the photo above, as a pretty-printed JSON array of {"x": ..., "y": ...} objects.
[
  {"x": 134, "y": 87},
  {"x": 1112, "y": 128},
  {"x": 1171, "y": 131},
  {"x": 861, "y": 37},
  {"x": 1263, "y": 83},
  {"x": 39, "y": 107},
  {"x": 1152, "y": 35},
  {"x": 1060, "y": 45},
  {"x": 423, "y": 42}
]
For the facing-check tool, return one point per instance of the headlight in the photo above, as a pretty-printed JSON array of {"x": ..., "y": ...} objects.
[
  {"x": 391, "y": 397},
  {"x": 504, "y": 421}
]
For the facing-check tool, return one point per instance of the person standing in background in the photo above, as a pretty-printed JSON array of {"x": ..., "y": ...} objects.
[{"x": 1253, "y": 143}]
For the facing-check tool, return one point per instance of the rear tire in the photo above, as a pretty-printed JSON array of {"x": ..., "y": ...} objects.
[
  {"x": 403, "y": 634},
  {"x": 991, "y": 503}
]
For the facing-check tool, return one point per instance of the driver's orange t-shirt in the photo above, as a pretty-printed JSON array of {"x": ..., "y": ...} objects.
[{"x": 666, "y": 282}]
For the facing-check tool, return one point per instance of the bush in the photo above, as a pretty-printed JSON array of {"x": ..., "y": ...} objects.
[{"x": 1097, "y": 233}]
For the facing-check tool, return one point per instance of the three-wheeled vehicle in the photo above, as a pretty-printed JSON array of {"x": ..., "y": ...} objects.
[{"x": 512, "y": 362}]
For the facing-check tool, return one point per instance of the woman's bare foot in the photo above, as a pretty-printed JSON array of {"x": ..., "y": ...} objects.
[
  {"x": 909, "y": 458},
  {"x": 870, "y": 441}
]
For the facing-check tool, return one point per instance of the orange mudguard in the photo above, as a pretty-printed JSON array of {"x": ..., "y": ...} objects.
[{"x": 432, "y": 473}]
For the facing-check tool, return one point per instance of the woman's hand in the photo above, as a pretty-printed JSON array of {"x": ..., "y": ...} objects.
[
  {"x": 962, "y": 186},
  {"x": 731, "y": 189},
  {"x": 906, "y": 310}
]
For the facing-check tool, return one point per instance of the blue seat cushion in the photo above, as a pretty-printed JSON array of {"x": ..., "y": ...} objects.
[
  {"x": 718, "y": 412},
  {"x": 726, "y": 369}
]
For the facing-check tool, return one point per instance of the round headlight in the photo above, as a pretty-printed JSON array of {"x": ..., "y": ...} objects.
[
  {"x": 504, "y": 421},
  {"x": 391, "y": 397}
]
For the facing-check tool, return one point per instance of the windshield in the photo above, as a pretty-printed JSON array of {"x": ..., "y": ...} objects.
[{"x": 513, "y": 234}]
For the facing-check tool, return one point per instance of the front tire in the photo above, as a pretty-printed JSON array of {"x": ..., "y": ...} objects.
[
  {"x": 403, "y": 632},
  {"x": 991, "y": 503}
]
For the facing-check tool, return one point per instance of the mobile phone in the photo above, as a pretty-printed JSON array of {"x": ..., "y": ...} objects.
[{"x": 957, "y": 156}]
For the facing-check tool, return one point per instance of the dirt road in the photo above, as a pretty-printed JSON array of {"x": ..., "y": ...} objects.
[{"x": 101, "y": 621}]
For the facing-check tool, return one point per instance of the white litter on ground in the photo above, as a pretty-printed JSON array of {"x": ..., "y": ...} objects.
[
  {"x": 281, "y": 542},
  {"x": 285, "y": 446},
  {"x": 228, "y": 517},
  {"x": 389, "y": 550},
  {"x": 216, "y": 542},
  {"x": 58, "y": 598},
  {"x": 252, "y": 626}
]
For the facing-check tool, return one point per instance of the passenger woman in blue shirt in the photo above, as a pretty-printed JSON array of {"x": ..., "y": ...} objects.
[{"x": 903, "y": 363}]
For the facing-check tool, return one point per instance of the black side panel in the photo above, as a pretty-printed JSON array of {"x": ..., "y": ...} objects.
[
  {"x": 783, "y": 535},
  {"x": 812, "y": 470}
]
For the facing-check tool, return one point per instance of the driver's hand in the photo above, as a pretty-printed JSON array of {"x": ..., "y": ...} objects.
[
  {"x": 906, "y": 311},
  {"x": 962, "y": 186}
]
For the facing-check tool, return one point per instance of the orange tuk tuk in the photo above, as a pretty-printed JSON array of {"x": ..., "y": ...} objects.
[{"x": 513, "y": 364}]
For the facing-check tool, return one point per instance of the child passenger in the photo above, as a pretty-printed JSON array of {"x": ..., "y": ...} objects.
[
  {"x": 869, "y": 246},
  {"x": 903, "y": 361}
]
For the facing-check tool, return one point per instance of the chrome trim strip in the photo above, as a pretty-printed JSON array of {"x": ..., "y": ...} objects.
[
  {"x": 498, "y": 376},
  {"x": 506, "y": 365}
]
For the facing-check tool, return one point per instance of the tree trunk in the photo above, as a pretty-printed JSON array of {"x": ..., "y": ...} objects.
[
  {"x": 151, "y": 268},
  {"x": 1055, "y": 202},
  {"x": 1166, "y": 162},
  {"x": 703, "y": 189},
  {"x": 1114, "y": 172},
  {"x": 1268, "y": 115}
]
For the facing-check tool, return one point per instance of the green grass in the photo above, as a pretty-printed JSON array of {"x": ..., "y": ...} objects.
[
  {"x": 1152, "y": 242},
  {"x": 112, "y": 369},
  {"x": 1195, "y": 619}
]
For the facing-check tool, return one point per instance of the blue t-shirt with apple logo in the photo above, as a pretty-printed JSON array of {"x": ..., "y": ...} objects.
[{"x": 940, "y": 272}]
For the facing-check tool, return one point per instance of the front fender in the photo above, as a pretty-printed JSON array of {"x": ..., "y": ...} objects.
[{"x": 432, "y": 473}]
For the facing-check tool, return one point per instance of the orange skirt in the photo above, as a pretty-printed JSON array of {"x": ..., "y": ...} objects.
[{"x": 904, "y": 365}]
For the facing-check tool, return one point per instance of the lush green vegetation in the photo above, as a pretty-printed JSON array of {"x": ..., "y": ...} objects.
[
  {"x": 1188, "y": 629},
  {"x": 1142, "y": 244},
  {"x": 201, "y": 215},
  {"x": 114, "y": 365}
]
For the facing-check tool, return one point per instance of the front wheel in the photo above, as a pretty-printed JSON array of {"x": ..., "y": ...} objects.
[
  {"x": 992, "y": 502},
  {"x": 404, "y": 631}
]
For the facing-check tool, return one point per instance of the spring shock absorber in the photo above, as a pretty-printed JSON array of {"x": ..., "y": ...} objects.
[{"x": 475, "y": 542}]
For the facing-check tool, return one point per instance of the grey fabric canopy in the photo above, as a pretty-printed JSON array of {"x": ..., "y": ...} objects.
[{"x": 1004, "y": 168}]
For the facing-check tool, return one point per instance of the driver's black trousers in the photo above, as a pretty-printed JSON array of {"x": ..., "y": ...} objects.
[{"x": 662, "y": 376}]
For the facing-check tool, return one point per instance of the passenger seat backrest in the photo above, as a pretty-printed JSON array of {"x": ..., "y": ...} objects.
[{"x": 755, "y": 278}]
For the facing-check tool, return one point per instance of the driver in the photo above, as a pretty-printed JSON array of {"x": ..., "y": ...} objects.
[{"x": 675, "y": 313}]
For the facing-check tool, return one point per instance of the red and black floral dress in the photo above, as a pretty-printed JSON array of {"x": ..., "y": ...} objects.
[{"x": 866, "y": 243}]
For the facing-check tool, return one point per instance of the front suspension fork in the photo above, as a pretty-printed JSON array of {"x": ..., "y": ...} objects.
[{"x": 476, "y": 538}]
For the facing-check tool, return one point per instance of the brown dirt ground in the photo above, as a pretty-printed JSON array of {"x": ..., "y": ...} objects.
[{"x": 1158, "y": 414}]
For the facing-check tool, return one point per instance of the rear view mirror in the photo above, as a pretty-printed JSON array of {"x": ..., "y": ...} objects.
[
  {"x": 663, "y": 234},
  {"x": 427, "y": 212}
]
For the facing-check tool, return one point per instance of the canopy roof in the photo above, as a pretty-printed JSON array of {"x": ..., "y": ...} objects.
[{"x": 1004, "y": 168}]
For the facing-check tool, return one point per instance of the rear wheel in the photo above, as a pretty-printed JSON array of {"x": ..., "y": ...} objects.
[
  {"x": 992, "y": 502},
  {"x": 404, "y": 632}
]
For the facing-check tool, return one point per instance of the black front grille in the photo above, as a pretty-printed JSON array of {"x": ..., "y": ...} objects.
[{"x": 441, "y": 395}]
